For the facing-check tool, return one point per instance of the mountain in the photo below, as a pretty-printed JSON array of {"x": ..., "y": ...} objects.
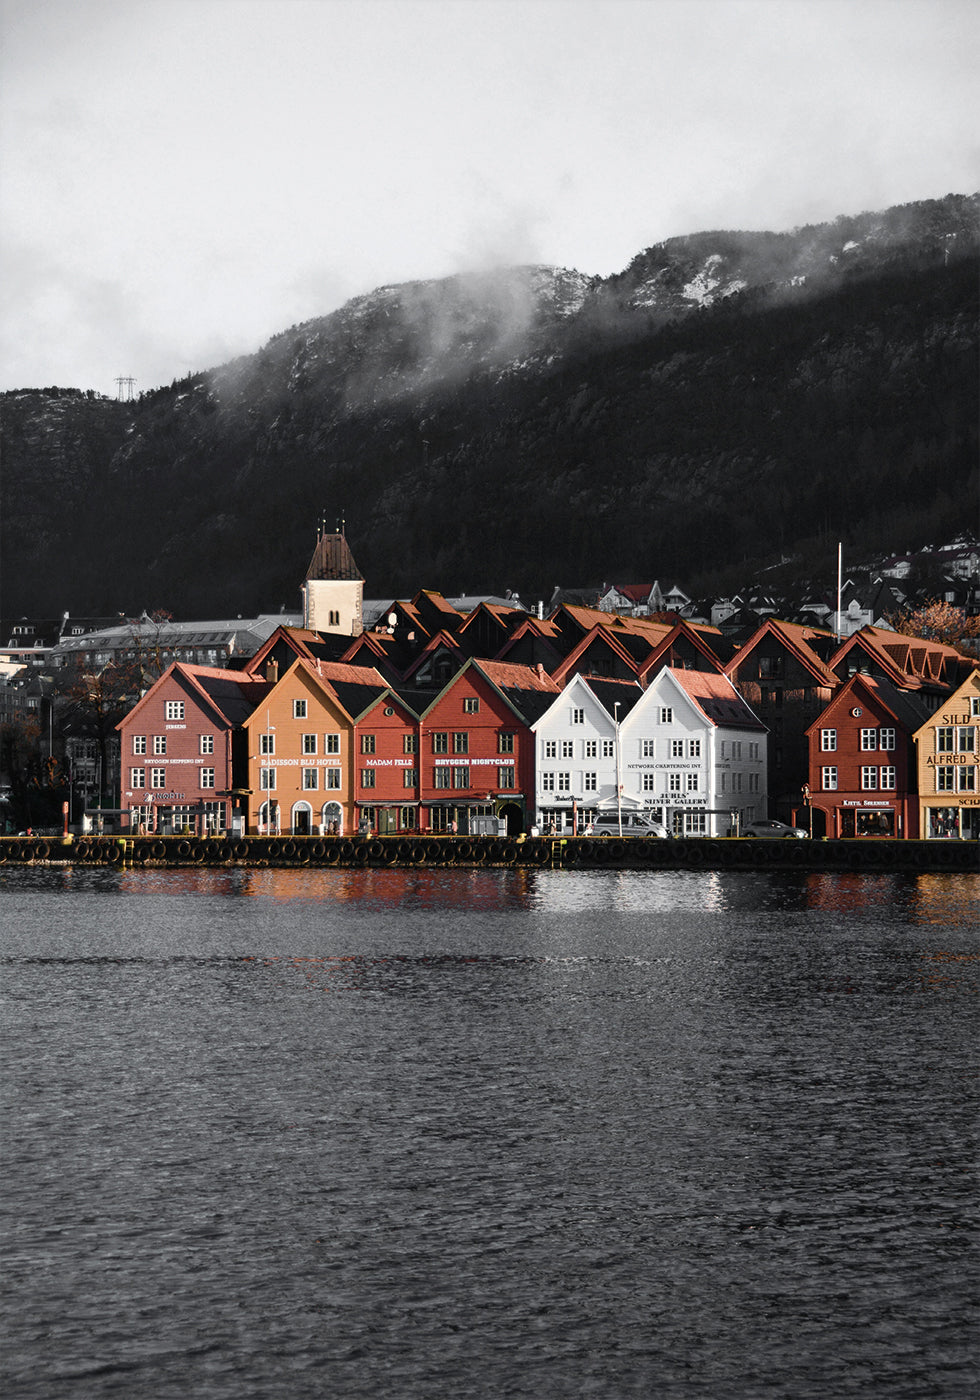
[{"x": 728, "y": 399}]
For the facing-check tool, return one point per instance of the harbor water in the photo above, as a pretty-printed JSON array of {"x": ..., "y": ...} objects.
[{"x": 414, "y": 1134}]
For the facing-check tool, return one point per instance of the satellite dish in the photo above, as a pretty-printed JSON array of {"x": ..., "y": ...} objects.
[{"x": 392, "y": 619}]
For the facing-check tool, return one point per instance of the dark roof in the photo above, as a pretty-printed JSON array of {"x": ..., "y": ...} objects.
[
  {"x": 332, "y": 559},
  {"x": 610, "y": 693}
]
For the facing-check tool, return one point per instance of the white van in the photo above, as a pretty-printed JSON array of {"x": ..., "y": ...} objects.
[{"x": 634, "y": 824}]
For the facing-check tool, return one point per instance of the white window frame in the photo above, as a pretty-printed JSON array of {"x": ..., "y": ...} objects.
[
  {"x": 828, "y": 778},
  {"x": 207, "y": 778},
  {"x": 869, "y": 779},
  {"x": 828, "y": 741}
]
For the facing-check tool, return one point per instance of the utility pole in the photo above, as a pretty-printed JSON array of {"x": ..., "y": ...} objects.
[{"x": 124, "y": 387}]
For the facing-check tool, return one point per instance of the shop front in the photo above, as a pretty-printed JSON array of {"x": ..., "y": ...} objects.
[
  {"x": 960, "y": 822},
  {"x": 869, "y": 817}
]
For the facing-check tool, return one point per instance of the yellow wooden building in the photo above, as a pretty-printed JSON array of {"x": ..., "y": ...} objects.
[{"x": 948, "y": 754}]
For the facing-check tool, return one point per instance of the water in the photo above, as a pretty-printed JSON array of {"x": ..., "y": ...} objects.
[{"x": 483, "y": 1134}]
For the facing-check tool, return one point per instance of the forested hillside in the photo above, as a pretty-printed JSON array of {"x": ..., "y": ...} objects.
[{"x": 728, "y": 399}]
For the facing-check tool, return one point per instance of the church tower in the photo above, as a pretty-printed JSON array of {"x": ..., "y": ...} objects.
[{"x": 333, "y": 593}]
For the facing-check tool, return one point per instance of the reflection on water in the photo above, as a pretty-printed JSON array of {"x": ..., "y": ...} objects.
[
  {"x": 919, "y": 898},
  {"x": 412, "y": 1135}
]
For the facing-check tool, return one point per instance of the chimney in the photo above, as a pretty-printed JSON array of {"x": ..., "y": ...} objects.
[
  {"x": 540, "y": 670},
  {"x": 272, "y": 671}
]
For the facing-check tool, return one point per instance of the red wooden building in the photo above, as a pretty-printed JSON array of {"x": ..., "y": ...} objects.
[
  {"x": 863, "y": 779},
  {"x": 476, "y": 749},
  {"x": 183, "y": 758}
]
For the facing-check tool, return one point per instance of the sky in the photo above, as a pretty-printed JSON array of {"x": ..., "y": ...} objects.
[{"x": 180, "y": 180}]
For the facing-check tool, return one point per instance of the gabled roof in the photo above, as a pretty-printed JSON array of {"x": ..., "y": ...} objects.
[
  {"x": 526, "y": 690},
  {"x": 439, "y": 641},
  {"x": 905, "y": 707},
  {"x": 611, "y": 693},
  {"x": 635, "y": 592},
  {"x": 354, "y": 688},
  {"x": 228, "y": 696},
  {"x": 695, "y": 635},
  {"x": 910, "y": 662},
  {"x": 716, "y": 698},
  {"x": 529, "y": 690},
  {"x": 597, "y": 635},
  {"x": 795, "y": 638}
]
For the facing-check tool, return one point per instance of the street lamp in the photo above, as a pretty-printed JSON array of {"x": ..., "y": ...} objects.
[{"x": 619, "y": 785}]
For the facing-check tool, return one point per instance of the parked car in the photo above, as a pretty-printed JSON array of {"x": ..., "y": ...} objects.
[
  {"x": 634, "y": 824},
  {"x": 774, "y": 830}
]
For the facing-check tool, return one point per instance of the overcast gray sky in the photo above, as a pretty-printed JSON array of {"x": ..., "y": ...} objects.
[{"x": 182, "y": 179}]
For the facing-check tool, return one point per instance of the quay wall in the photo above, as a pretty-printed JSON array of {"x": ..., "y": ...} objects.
[{"x": 580, "y": 852}]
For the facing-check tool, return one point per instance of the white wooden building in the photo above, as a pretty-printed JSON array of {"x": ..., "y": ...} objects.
[{"x": 687, "y": 752}]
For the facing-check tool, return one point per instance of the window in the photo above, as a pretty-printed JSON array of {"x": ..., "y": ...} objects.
[
  {"x": 975, "y": 706},
  {"x": 440, "y": 743},
  {"x": 406, "y": 815},
  {"x": 207, "y": 778},
  {"x": 666, "y": 714},
  {"x": 564, "y": 782},
  {"x": 442, "y": 777},
  {"x": 722, "y": 781},
  {"x": 137, "y": 777},
  {"x": 568, "y": 748},
  {"x": 160, "y": 743},
  {"x": 608, "y": 748},
  {"x": 367, "y": 777},
  {"x": 754, "y": 751},
  {"x": 410, "y": 777},
  {"x": 945, "y": 779},
  {"x": 590, "y": 782},
  {"x": 331, "y": 743},
  {"x": 505, "y": 742},
  {"x": 770, "y": 668},
  {"x": 578, "y": 716},
  {"x": 174, "y": 709},
  {"x": 646, "y": 748},
  {"x": 590, "y": 749},
  {"x": 309, "y": 743},
  {"x": 828, "y": 779},
  {"x": 331, "y": 778},
  {"x": 547, "y": 782},
  {"x": 461, "y": 777},
  {"x": 737, "y": 749},
  {"x": 333, "y": 620},
  {"x": 461, "y": 742},
  {"x": 966, "y": 739},
  {"x": 869, "y": 740},
  {"x": 505, "y": 776},
  {"x": 649, "y": 782},
  {"x": 299, "y": 709},
  {"x": 207, "y": 743},
  {"x": 267, "y": 743},
  {"x": 267, "y": 779},
  {"x": 886, "y": 740},
  {"x": 754, "y": 783},
  {"x": 694, "y": 748},
  {"x": 692, "y": 782},
  {"x": 944, "y": 740},
  {"x": 674, "y": 782},
  {"x": 471, "y": 705},
  {"x": 310, "y": 779},
  {"x": 139, "y": 743},
  {"x": 158, "y": 778},
  {"x": 736, "y": 782},
  {"x": 367, "y": 743},
  {"x": 676, "y": 748},
  {"x": 694, "y": 823},
  {"x": 888, "y": 779},
  {"x": 551, "y": 748},
  {"x": 410, "y": 743},
  {"x": 828, "y": 741},
  {"x": 967, "y": 779},
  {"x": 869, "y": 779}
]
